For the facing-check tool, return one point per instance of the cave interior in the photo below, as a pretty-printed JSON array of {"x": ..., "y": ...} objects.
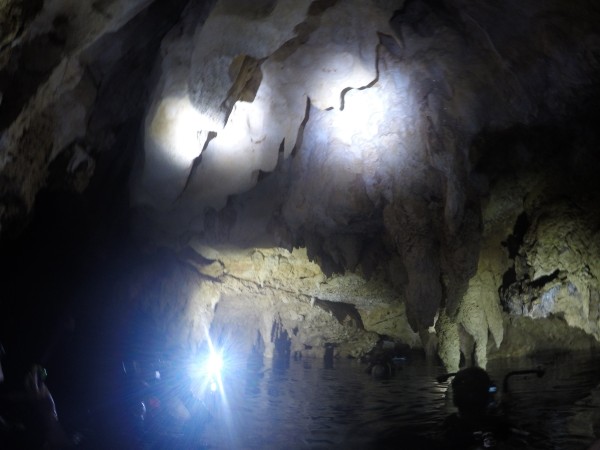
[{"x": 305, "y": 177}]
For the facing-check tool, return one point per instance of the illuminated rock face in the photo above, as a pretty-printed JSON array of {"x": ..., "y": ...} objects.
[
  {"x": 344, "y": 169},
  {"x": 337, "y": 120}
]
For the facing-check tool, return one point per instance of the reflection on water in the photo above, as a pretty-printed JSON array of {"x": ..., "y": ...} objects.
[{"x": 306, "y": 405}]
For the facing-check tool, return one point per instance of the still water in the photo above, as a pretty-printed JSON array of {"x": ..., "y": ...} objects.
[{"x": 309, "y": 406}]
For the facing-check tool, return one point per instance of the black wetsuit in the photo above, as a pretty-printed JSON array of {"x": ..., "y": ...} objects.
[{"x": 474, "y": 432}]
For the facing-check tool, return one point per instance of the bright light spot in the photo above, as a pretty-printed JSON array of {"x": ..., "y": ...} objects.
[
  {"x": 206, "y": 372},
  {"x": 332, "y": 71},
  {"x": 208, "y": 369},
  {"x": 180, "y": 130},
  {"x": 214, "y": 364},
  {"x": 364, "y": 110}
]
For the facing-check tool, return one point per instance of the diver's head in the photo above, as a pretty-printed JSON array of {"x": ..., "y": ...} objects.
[{"x": 471, "y": 390}]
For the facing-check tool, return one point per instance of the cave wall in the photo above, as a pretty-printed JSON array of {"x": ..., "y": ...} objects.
[
  {"x": 539, "y": 242},
  {"x": 386, "y": 170},
  {"x": 418, "y": 171}
]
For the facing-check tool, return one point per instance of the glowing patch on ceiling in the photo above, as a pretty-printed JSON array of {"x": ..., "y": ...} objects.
[
  {"x": 364, "y": 111},
  {"x": 180, "y": 129}
]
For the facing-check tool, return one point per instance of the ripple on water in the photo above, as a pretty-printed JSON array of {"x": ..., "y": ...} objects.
[{"x": 308, "y": 406}]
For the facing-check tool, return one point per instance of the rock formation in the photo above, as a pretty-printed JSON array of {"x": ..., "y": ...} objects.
[{"x": 321, "y": 172}]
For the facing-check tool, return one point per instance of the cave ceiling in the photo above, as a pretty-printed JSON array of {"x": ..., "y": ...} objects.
[{"x": 386, "y": 153}]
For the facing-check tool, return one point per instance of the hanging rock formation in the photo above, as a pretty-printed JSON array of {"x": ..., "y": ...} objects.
[{"x": 418, "y": 170}]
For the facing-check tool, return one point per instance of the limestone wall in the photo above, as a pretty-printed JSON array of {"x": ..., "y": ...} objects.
[{"x": 351, "y": 171}]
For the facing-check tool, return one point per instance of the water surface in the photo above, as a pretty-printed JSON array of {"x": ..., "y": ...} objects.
[{"x": 308, "y": 405}]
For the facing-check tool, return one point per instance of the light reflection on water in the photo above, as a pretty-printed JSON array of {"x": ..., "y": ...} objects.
[{"x": 309, "y": 406}]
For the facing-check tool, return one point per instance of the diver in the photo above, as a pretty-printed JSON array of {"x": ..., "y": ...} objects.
[
  {"x": 381, "y": 364},
  {"x": 477, "y": 424},
  {"x": 32, "y": 421}
]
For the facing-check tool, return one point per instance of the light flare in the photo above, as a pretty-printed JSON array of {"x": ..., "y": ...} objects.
[{"x": 207, "y": 371}]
